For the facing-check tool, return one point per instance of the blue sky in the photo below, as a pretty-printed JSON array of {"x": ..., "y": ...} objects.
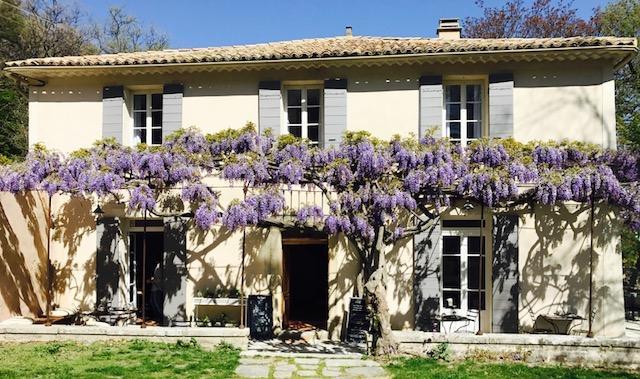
[{"x": 202, "y": 23}]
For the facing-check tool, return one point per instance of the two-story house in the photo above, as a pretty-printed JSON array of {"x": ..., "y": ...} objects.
[{"x": 558, "y": 259}]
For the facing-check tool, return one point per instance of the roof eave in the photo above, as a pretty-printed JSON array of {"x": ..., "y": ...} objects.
[{"x": 620, "y": 54}]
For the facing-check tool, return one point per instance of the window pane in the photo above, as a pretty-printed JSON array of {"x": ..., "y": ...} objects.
[
  {"x": 473, "y": 273},
  {"x": 156, "y": 119},
  {"x": 473, "y": 244},
  {"x": 139, "y": 102},
  {"x": 451, "y": 245},
  {"x": 313, "y": 133},
  {"x": 313, "y": 97},
  {"x": 474, "y": 111},
  {"x": 156, "y": 136},
  {"x": 451, "y": 299},
  {"x": 472, "y": 300},
  {"x": 139, "y": 136},
  {"x": 296, "y": 130},
  {"x": 474, "y": 130},
  {"x": 156, "y": 101},
  {"x": 452, "y": 93},
  {"x": 294, "y": 97},
  {"x": 474, "y": 93},
  {"x": 454, "y": 129},
  {"x": 294, "y": 115},
  {"x": 451, "y": 271},
  {"x": 139, "y": 119},
  {"x": 453, "y": 112},
  {"x": 313, "y": 115}
]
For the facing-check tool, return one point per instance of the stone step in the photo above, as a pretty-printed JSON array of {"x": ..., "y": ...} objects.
[{"x": 281, "y": 354}]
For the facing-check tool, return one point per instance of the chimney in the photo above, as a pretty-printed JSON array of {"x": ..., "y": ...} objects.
[
  {"x": 348, "y": 31},
  {"x": 449, "y": 28}
]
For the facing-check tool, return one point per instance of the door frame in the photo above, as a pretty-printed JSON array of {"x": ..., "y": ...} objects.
[
  {"x": 463, "y": 326},
  {"x": 133, "y": 264},
  {"x": 298, "y": 240}
]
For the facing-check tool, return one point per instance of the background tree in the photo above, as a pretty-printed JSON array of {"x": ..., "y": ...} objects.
[
  {"x": 13, "y": 105},
  {"x": 46, "y": 28},
  {"x": 122, "y": 33},
  {"x": 52, "y": 28},
  {"x": 540, "y": 19},
  {"x": 622, "y": 18}
]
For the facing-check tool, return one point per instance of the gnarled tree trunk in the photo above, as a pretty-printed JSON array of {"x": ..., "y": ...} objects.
[
  {"x": 376, "y": 298},
  {"x": 376, "y": 293}
]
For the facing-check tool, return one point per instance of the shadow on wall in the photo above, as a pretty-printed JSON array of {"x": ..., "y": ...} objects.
[
  {"x": 344, "y": 283},
  {"x": 263, "y": 266},
  {"x": 555, "y": 274},
  {"x": 210, "y": 277},
  {"x": 73, "y": 275},
  {"x": 400, "y": 284},
  {"x": 22, "y": 262}
]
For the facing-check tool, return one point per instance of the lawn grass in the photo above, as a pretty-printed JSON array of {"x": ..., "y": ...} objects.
[
  {"x": 429, "y": 368},
  {"x": 122, "y": 359}
]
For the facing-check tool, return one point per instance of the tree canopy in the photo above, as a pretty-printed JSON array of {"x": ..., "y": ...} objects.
[{"x": 47, "y": 28}]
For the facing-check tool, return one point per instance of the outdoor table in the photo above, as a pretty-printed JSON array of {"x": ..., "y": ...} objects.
[
  {"x": 559, "y": 323},
  {"x": 453, "y": 318}
]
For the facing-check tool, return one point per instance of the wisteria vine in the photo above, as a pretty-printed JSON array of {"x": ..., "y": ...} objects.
[{"x": 369, "y": 184}]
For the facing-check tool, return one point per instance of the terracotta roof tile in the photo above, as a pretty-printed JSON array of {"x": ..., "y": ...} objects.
[{"x": 357, "y": 46}]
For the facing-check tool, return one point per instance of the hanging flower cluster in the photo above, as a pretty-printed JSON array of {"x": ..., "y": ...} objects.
[{"x": 370, "y": 184}]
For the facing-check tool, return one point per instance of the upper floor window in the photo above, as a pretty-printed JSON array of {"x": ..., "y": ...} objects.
[
  {"x": 463, "y": 112},
  {"x": 303, "y": 108},
  {"x": 147, "y": 118}
]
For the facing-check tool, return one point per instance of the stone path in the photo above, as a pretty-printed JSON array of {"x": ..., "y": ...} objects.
[{"x": 300, "y": 366}]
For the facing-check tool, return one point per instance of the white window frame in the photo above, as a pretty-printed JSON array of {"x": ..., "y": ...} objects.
[
  {"x": 463, "y": 310},
  {"x": 149, "y": 119},
  {"x": 304, "y": 106},
  {"x": 464, "y": 138}
]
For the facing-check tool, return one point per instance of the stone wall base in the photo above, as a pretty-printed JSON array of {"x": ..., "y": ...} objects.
[
  {"x": 528, "y": 348},
  {"x": 206, "y": 337}
]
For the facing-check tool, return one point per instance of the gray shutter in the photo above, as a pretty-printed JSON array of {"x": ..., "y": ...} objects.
[
  {"x": 269, "y": 103},
  {"x": 431, "y": 102},
  {"x": 505, "y": 274},
  {"x": 501, "y": 105},
  {"x": 107, "y": 262},
  {"x": 171, "y": 109},
  {"x": 426, "y": 250},
  {"x": 335, "y": 112},
  {"x": 112, "y": 112},
  {"x": 175, "y": 272}
]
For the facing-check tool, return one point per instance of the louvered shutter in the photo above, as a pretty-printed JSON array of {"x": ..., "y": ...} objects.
[
  {"x": 113, "y": 112},
  {"x": 431, "y": 102}
]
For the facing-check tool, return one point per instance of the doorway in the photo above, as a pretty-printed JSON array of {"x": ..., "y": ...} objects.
[
  {"x": 152, "y": 271},
  {"x": 306, "y": 285},
  {"x": 463, "y": 279}
]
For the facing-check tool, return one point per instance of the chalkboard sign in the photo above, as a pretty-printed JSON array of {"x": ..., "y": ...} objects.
[
  {"x": 358, "y": 321},
  {"x": 260, "y": 314}
]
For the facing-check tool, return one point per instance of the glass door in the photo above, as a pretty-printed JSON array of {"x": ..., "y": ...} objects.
[{"x": 463, "y": 280}]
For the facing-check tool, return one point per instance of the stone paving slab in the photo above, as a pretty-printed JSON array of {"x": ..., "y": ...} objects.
[{"x": 305, "y": 367}]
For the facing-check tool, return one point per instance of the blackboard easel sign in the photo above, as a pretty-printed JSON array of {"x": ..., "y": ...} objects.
[
  {"x": 260, "y": 315},
  {"x": 358, "y": 322}
]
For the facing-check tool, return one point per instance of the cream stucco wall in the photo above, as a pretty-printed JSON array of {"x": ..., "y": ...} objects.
[
  {"x": 565, "y": 102},
  {"x": 551, "y": 100}
]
